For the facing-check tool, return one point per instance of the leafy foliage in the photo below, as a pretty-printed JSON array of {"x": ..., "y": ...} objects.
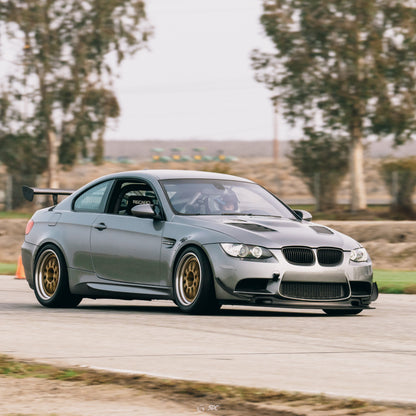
[
  {"x": 17, "y": 150},
  {"x": 321, "y": 162},
  {"x": 343, "y": 66},
  {"x": 400, "y": 177},
  {"x": 61, "y": 83}
]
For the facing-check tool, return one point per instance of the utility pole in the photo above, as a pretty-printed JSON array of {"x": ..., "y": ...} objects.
[{"x": 275, "y": 133}]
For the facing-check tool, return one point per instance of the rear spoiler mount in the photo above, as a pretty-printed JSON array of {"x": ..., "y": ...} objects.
[{"x": 29, "y": 193}]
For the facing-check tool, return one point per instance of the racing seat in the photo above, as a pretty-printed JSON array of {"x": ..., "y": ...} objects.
[{"x": 134, "y": 200}]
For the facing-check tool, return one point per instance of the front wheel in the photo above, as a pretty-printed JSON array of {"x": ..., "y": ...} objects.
[
  {"x": 51, "y": 280},
  {"x": 342, "y": 312},
  {"x": 193, "y": 285}
]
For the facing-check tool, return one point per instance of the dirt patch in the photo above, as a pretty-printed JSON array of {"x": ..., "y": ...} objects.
[
  {"x": 88, "y": 392},
  {"x": 376, "y": 231},
  {"x": 391, "y": 244},
  {"x": 34, "y": 396},
  {"x": 12, "y": 233}
]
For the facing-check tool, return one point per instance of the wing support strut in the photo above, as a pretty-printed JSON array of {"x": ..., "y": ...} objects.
[{"x": 29, "y": 193}]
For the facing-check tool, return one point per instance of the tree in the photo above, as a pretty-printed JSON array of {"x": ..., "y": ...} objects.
[
  {"x": 343, "y": 66},
  {"x": 23, "y": 164},
  {"x": 60, "y": 88},
  {"x": 400, "y": 177},
  {"x": 321, "y": 162}
]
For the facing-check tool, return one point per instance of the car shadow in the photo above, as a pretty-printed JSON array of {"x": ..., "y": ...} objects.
[
  {"x": 265, "y": 313},
  {"x": 224, "y": 311}
]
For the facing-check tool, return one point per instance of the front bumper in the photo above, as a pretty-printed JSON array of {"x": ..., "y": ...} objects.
[{"x": 276, "y": 282}]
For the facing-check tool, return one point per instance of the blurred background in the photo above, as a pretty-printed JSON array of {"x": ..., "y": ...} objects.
[{"x": 315, "y": 100}]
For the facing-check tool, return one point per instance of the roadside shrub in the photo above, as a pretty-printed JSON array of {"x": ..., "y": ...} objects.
[
  {"x": 24, "y": 156},
  {"x": 321, "y": 162},
  {"x": 399, "y": 176}
]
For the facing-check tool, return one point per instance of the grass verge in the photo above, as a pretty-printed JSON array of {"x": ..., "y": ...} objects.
[
  {"x": 8, "y": 268},
  {"x": 14, "y": 215},
  {"x": 248, "y": 401},
  {"x": 392, "y": 281}
]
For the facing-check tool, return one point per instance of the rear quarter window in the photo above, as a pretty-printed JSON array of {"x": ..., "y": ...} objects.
[{"x": 93, "y": 199}]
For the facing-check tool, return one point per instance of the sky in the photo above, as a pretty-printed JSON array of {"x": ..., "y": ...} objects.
[{"x": 195, "y": 81}]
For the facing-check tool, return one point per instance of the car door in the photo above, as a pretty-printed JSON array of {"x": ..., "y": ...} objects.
[
  {"x": 125, "y": 248},
  {"x": 74, "y": 226}
]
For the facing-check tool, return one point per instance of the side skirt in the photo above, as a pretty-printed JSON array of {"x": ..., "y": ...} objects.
[{"x": 122, "y": 291}]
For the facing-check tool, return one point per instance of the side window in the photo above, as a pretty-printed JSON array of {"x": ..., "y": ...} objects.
[
  {"x": 129, "y": 194},
  {"x": 94, "y": 199}
]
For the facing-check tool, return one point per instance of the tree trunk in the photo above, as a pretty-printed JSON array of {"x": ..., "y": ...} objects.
[
  {"x": 53, "y": 181},
  {"x": 358, "y": 192},
  {"x": 98, "y": 157}
]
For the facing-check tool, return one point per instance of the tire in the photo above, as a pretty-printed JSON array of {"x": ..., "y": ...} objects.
[
  {"x": 193, "y": 286},
  {"x": 342, "y": 312},
  {"x": 51, "y": 279}
]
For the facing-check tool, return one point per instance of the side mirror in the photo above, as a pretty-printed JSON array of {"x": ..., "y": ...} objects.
[
  {"x": 303, "y": 215},
  {"x": 143, "y": 211}
]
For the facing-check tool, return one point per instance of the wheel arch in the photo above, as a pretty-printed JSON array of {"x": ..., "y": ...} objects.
[
  {"x": 39, "y": 250},
  {"x": 178, "y": 254}
]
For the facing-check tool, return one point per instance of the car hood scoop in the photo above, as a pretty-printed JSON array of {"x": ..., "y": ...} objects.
[
  {"x": 251, "y": 226},
  {"x": 321, "y": 230}
]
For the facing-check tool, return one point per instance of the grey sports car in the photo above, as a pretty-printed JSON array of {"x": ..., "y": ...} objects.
[{"x": 200, "y": 239}]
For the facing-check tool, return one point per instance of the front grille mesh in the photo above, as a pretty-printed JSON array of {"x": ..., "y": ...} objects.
[
  {"x": 304, "y": 256},
  {"x": 330, "y": 256},
  {"x": 299, "y": 255},
  {"x": 314, "y": 291}
]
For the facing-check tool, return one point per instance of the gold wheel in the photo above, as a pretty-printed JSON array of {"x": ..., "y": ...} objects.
[
  {"x": 50, "y": 275},
  {"x": 47, "y": 274},
  {"x": 188, "y": 279}
]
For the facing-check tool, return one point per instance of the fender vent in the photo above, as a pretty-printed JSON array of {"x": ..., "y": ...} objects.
[{"x": 168, "y": 242}]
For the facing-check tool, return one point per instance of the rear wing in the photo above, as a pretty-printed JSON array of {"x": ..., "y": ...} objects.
[{"x": 29, "y": 193}]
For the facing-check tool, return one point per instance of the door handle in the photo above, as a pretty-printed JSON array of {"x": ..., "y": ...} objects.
[{"x": 100, "y": 226}]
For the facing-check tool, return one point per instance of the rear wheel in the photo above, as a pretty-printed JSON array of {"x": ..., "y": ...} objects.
[
  {"x": 51, "y": 280},
  {"x": 342, "y": 312},
  {"x": 193, "y": 285}
]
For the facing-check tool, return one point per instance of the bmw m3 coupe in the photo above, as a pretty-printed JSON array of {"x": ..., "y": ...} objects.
[{"x": 200, "y": 239}]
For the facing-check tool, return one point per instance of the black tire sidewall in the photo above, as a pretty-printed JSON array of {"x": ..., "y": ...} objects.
[{"x": 62, "y": 296}]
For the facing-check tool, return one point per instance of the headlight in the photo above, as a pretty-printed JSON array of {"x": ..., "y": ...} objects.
[
  {"x": 359, "y": 255},
  {"x": 246, "y": 251}
]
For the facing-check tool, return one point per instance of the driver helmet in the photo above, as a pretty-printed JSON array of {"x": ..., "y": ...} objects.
[{"x": 228, "y": 201}]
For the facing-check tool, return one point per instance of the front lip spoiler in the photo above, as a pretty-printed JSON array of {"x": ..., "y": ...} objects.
[
  {"x": 271, "y": 299},
  {"x": 279, "y": 303}
]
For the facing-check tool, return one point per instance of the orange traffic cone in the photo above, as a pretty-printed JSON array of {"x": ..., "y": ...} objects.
[{"x": 20, "y": 272}]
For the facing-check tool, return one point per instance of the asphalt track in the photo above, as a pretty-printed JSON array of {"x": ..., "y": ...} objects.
[{"x": 371, "y": 355}]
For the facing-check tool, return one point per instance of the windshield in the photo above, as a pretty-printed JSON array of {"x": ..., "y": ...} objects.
[{"x": 222, "y": 197}]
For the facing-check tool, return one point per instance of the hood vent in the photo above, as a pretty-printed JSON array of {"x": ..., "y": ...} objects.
[
  {"x": 251, "y": 226},
  {"x": 321, "y": 230}
]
